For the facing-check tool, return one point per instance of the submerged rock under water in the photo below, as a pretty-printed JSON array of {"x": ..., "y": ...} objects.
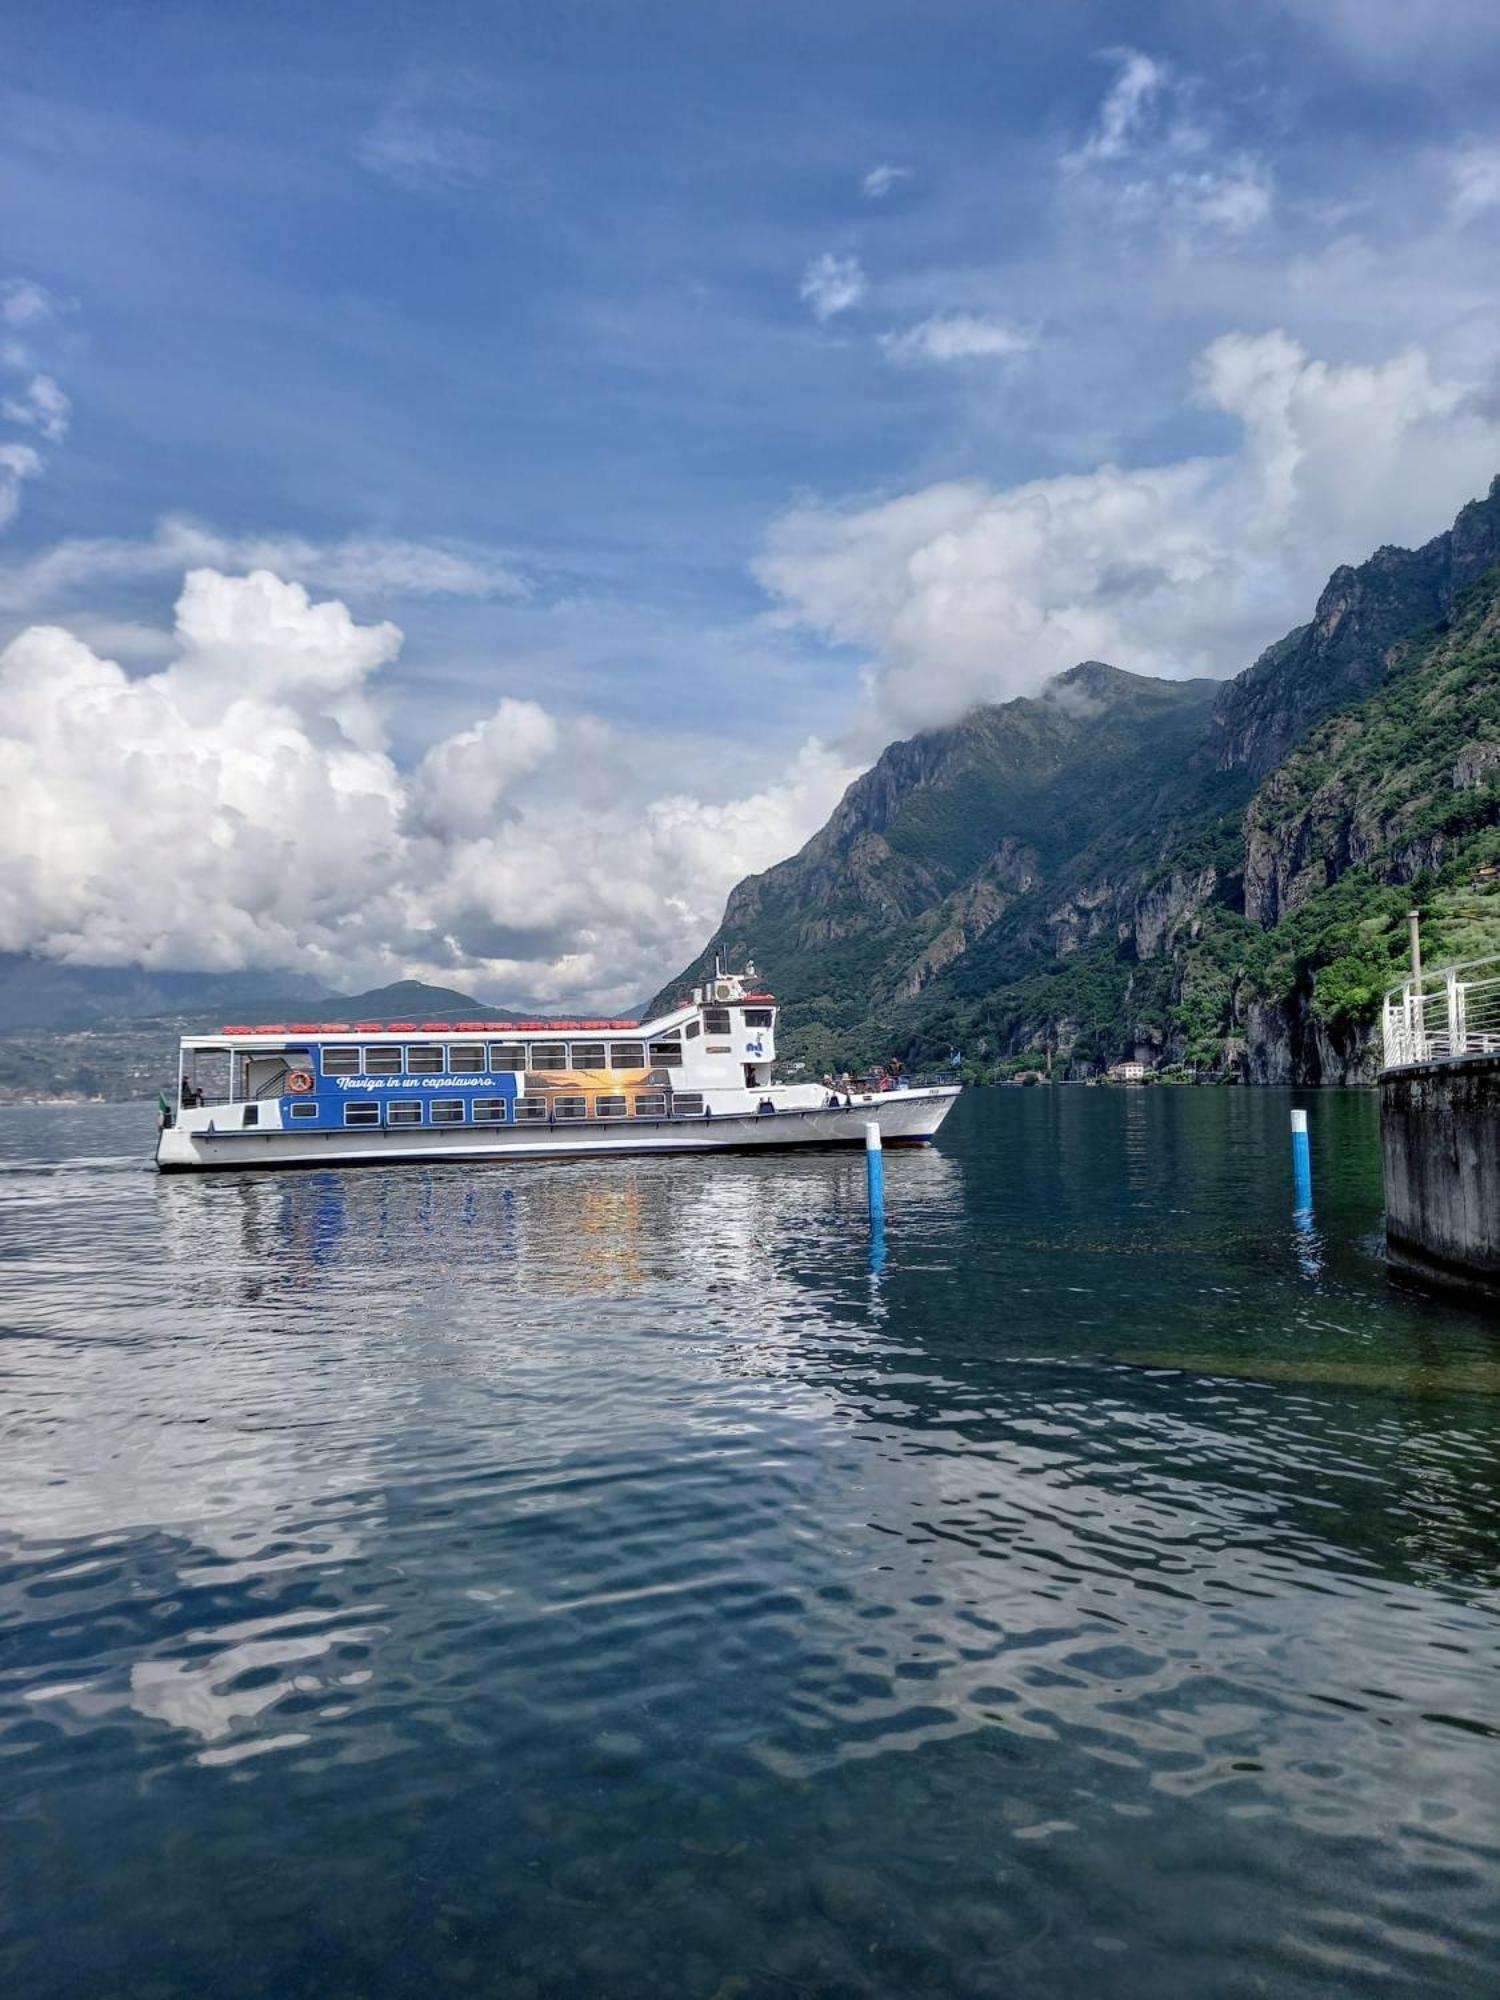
[{"x": 1459, "y": 1378}]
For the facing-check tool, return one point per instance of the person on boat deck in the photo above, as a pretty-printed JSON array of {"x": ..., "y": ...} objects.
[{"x": 192, "y": 1096}]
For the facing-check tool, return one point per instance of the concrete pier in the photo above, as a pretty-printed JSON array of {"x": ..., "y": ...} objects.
[{"x": 1440, "y": 1139}]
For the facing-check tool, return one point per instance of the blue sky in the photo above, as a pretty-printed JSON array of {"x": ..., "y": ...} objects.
[{"x": 712, "y": 378}]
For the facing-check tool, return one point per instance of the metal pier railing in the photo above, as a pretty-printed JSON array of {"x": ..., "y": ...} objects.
[{"x": 1453, "y": 1010}]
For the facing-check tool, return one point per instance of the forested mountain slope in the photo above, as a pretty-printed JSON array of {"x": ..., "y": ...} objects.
[{"x": 1123, "y": 865}]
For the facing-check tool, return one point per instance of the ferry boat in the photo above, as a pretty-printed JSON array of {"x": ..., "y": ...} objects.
[{"x": 695, "y": 1080}]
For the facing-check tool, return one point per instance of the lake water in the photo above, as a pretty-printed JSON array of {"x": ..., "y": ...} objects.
[{"x": 593, "y": 1580}]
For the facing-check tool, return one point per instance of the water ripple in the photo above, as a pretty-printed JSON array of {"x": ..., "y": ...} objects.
[{"x": 596, "y": 1580}]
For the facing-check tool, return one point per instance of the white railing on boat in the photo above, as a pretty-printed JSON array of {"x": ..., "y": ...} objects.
[{"x": 1453, "y": 1010}]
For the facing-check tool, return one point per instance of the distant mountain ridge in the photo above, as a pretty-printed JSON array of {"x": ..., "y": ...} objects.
[
  {"x": 412, "y": 999},
  {"x": 46, "y": 995},
  {"x": 1101, "y": 869}
]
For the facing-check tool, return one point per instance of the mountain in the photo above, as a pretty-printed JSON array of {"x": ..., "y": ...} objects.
[
  {"x": 1342, "y": 655},
  {"x": 79, "y": 1032},
  {"x": 45, "y": 993},
  {"x": 412, "y": 1000},
  {"x": 1391, "y": 802},
  {"x": 1185, "y": 870},
  {"x": 977, "y": 846}
]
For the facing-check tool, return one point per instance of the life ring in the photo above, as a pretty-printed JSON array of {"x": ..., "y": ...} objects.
[{"x": 300, "y": 1082}]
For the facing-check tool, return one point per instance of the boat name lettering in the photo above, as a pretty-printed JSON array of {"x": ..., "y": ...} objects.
[{"x": 467, "y": 1081}]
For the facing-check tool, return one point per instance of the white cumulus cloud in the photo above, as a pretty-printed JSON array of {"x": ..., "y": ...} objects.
[
  {"x": 42, "y": 406},
  {"x": 23, "y": 302},
  {"x": 965, "y": 592},
  {"x": 879, "y": 181},
  {"x": 462, "y": 782},
  {"x": 363, "y": 566},
  {"x": 956, "y": 337},
  {"x": 1474, "y": 180},
  {"x": 1128, "y": 103},
  {"x": 36, "y": 403},
  {"x": 831, "y": 285},
  {"x": 1151, "y": 160},
  {"x": 18, "y": 462},
  {"x": 238, "y": 807}
]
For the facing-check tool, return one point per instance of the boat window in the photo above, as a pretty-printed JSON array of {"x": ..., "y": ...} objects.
[
  {"x": 549, "y": 1055},
  {"x": 340, "y": 1061},
  {"x": 651, "y": 1104},
  {"x": 627, "y": 1055},
  {"x": 361, "y": 1114},
  {"x": 570, "y": 1107},
  {"x": 466, "y": 1056},
  {"x": 426, "y": 1060},
  {"x": 529, "y": 1110},
  {"x": 716, "y": 1020},
  {"x": 609, "y": 1107},
  {"x": 693, "y": 1030},
  {"x": 405, "y": 1112},
  {"x": 383, "y": 1061},
  {"x": 666, "y": 1055},
  {"x": 507, "y": 1055},
  {"x": 588, "y": 1055},
  {"x": 304, "y": 1110},
  {"x": 446, "y": 1111},
  {"x": 250, "y": 1115},
  {"x": 758, "y": 1017},
  {"x": 489, "y": 1110},
  {"x": 688, "y": 1103}
]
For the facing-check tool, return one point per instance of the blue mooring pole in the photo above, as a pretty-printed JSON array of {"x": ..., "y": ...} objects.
[
  {"x": 875, "y": 1187},
  {"x": 875, "y": 1170},
  {"x": 1301, "y": 1164}
]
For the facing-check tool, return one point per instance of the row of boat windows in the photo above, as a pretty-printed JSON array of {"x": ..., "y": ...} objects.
[
  {"x": 474, "y": 1058},
  {"x": 495, "y": 1110},
  {"x": 457, "y": 1058}
]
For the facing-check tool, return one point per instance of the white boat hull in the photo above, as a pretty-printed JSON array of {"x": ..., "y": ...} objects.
[{"x": 192, "y": 1144}]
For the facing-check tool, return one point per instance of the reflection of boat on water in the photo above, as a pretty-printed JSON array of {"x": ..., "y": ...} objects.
[
  {"x": 694, "y": 1080},
  {"x": 761, "y": 1227}
]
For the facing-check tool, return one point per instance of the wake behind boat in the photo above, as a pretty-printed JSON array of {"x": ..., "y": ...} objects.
[{"x": 697, "y": 1079}]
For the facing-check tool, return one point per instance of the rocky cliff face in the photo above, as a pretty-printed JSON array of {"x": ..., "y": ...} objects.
[
  {"x": 1347, "y": 649},
  {"x": 1286, "y": 1041},
  {"x": 1391, "y": 786},
  {"x": 1178, "y": 869}
]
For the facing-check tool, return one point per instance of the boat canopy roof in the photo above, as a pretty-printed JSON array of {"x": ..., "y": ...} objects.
[{"x": 281, "y": 1032}]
